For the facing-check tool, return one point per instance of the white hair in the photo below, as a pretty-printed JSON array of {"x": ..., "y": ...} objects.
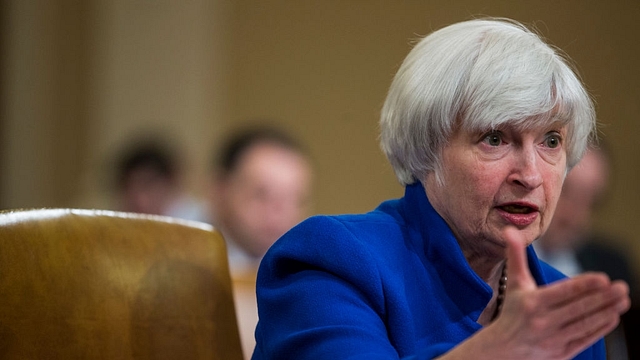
[{"x": 479, "y": 74}]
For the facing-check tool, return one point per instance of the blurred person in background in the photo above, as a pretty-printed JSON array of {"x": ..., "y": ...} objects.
[
  {"x": 262, "y": 187},
  {"x": 148, "y": 182},
  {"x": 572, "y": 246}
]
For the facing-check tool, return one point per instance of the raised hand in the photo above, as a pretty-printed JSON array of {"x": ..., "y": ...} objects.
[
  {"x": 556, "y": 321},
  {"x": 559, "y": 320}
]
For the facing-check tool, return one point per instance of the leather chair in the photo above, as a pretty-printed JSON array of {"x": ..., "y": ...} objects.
[{"x": 91, "y": 284}]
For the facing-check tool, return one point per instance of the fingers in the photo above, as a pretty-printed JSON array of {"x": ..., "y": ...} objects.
[
  {"x": 574, "y": 347},
  {"x": 559, "y": 319},
  {"x": 518, "y": 273},
  {"x": 597, "y": 315},
  {"x": 575, "y": 312},
  {"x": 591, "y": 308},
  {"x": 569, "y": 290},
  {"x": 584, "y": 293},
  {"x": 624, "y": 301}
]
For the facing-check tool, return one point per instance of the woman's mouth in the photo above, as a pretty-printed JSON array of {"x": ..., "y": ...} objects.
[
  {"x": 519, "y": 214},
  {"x": 517, "y": 209}
]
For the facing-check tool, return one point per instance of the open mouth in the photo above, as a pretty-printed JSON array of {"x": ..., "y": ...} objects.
[{"x": 517, "y": 209}]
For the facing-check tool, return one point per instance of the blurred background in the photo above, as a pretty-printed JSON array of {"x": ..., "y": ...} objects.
[{"x": 82, "y": 79}]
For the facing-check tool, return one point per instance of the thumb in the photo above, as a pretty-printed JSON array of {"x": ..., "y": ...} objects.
[{"x": 518, "y": 274}]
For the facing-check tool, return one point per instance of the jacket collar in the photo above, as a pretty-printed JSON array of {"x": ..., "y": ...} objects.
[{"x": 441, "y": 250}]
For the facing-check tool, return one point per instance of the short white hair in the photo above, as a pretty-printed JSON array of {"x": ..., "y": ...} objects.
[{"x": 479, "y": 74}]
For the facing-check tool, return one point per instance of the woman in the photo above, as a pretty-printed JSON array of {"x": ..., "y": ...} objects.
[{"x": 481, "y": 124}]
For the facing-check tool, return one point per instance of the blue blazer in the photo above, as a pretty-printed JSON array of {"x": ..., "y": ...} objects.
[{"x": 389, "y": 284}]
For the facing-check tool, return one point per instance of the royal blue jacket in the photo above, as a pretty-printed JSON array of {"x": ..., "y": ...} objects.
[{"x": 389, "y": 284}]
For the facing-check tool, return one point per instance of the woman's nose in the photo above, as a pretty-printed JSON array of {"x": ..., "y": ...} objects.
[{"x": 526, "y": 169}]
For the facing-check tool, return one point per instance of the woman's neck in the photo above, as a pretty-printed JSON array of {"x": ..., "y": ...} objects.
[{"x": 491, "y": 273}]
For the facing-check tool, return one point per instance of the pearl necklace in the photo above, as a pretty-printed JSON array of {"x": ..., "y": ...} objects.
[{"x": 502, "y": 290}]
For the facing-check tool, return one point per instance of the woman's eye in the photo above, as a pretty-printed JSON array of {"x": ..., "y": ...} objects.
[
  {"x": 493, "y": 139},
  {"x": 552, "y": 141}
]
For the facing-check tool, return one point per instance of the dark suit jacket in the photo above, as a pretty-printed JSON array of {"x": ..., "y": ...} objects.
[{"x": 599, "y": 254}]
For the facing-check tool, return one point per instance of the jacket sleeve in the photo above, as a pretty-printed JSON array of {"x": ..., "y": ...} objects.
[{"x": 320, "y": 297}]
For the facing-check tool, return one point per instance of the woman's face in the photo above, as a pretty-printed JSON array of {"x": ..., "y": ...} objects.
[{"x": 496, "y": 179}]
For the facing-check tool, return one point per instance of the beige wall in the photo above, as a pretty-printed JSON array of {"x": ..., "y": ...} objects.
[
  {"x": 84, "y": 78},
  {"x": 79, "y": 78},
  {"x": 324, "y": 67},
  {"x": 43, "y": 99},
  {"x": 158, "y": 68}
]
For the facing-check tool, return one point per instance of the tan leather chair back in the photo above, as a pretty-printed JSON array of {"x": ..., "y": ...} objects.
[{"x": 84, "y": 284}]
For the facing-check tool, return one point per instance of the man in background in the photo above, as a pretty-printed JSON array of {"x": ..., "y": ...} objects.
[
  {"x": 261, "y": 188},
  {"x": 571, "y": 246}
]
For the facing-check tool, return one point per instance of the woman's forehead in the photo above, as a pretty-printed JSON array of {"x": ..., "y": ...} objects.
[{"x": 539, "y": 122}]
